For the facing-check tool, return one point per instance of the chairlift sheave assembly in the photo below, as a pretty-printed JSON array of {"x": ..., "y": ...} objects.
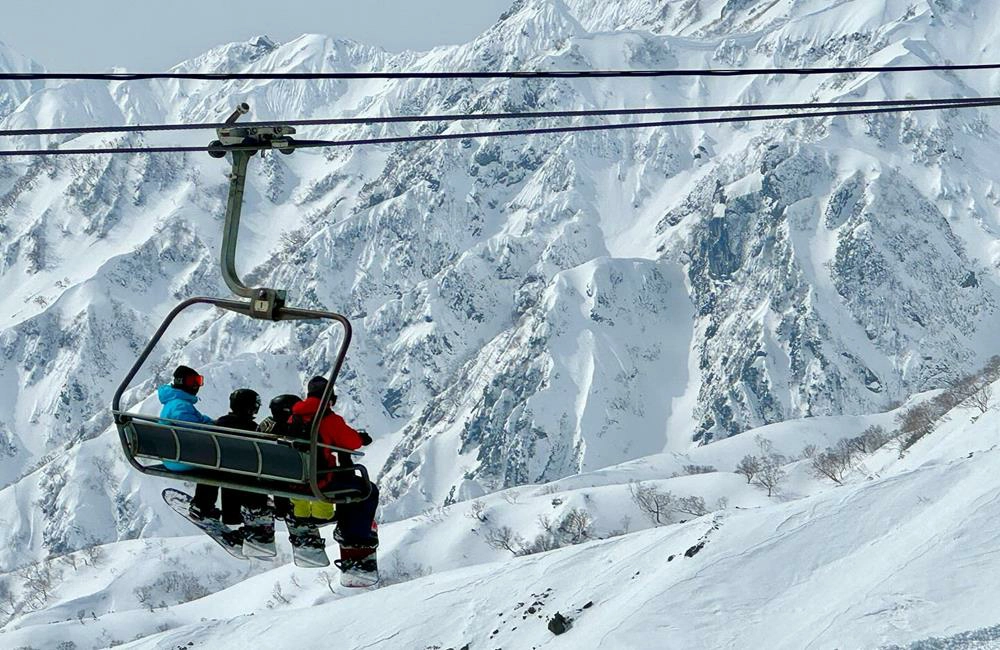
[{"x": 243, "y": 460}]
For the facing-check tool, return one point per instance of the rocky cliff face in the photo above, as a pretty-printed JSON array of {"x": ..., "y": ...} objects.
[{"x": 525, "y": 308}]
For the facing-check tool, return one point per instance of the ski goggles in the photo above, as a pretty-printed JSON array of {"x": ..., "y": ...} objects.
[{"x": 191, "y": 381}]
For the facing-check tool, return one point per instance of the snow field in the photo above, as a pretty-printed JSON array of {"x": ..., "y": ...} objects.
[{"x": 450, "y": 543}]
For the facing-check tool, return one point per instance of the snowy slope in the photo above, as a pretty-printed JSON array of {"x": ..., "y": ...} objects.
[
  {"x": 837, "y": 571},
  {"x": 894, "y": 556}
]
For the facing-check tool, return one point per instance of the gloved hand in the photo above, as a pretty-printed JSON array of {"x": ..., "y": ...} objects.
[{"x": 365, "y": 438}]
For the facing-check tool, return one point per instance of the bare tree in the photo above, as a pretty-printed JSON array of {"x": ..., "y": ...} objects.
[
  {"x": 848, "y": 450},
  {"x": 772, "y": 473},
  {"x": 982, "y": 396},
  {"x": 857, "y": 444},
  {"x": 542, "y": 543},
  {"x": 93, "y": 555},
  {"x": 38, "y": 581},
  {"x": 575, "y": 527},
  {"x": 691, "y": 470},
  {"x": 292, "y": 241},
  {"x": 144, "y": 597},
  {"x": 546, "y": 524},
  {"x": 511, "y": 496},
  {"x": 748, "y": 467},
  {"x": 991, "y": 371},
  {"x": 917, "y": 421},
  {"x": 830, "y": 464},
  {"x": 400, "y": 571},
  {"x": 764, "y": 445},
  {"x": 504, "y": 539},
  {"x": 478, "y": 511},
  {"x": 956, "y": 392},
  {"x": 692, "y": 505},
  {"x": 69, "y": 560},
  {"x": 624, "y": 525},
  {"x": 874, "y": 437},
  {"x": 654, "y": 503},
  {"x": 809, "y": 451}
]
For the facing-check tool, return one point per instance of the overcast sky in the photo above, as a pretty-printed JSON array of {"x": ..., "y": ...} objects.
[{"x": 150, "y": 35}]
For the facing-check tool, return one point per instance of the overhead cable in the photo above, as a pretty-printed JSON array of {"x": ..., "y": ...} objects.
[
  {"x": 578, "y": 128},
  {"x": 456, "y": 117},
  {"x": 512, "y": 74}
]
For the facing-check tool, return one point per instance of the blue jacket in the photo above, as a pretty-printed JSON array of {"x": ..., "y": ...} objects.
[{"x": 179, "y": 405}]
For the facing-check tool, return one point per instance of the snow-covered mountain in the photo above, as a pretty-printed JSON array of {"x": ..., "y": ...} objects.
[{"x": 526, "y": 309}]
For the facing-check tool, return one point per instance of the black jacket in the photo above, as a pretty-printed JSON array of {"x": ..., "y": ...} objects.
[{"x": 234, "y": 421}]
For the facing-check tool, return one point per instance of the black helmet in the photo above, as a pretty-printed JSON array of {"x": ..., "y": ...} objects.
[
  {"x": 316, "y": 386},
  {"x": 244, "y": 400},
  {"x": 281, "y": 407},
  {"x": 188, "y": 379}
]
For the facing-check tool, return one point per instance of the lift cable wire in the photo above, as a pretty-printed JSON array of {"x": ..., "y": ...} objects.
[
  {"x": 578, "y": 128},
  {"x": 514, "y": 74},
  {"x": 456, "y": 117}
]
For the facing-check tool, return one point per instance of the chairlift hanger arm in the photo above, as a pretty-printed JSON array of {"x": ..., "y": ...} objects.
[{"x": 264, "y": 301}]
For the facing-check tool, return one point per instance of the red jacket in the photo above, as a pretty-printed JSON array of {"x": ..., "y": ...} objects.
[{"x": 333, "y": 430}]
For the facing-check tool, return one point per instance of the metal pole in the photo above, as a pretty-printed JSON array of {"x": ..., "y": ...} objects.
[{"x": 231, "y": 230}]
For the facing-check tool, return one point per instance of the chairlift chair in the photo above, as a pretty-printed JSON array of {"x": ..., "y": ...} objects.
[{"x": 243, "y": 460}]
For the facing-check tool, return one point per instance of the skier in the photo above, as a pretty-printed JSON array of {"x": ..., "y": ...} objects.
[
  {"x": 355, "y": 521},
  {"x": 178, "y": 399}
]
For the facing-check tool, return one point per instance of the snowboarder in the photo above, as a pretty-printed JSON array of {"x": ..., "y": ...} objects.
[
  {"x": 178, "y": 399},
  {"x": 302, "y": 516},
  {"x": 276, "y": 424},
  {"x": 258, "y": 515},
  {"x": 244, "y": 403},
  {"x": 356, "y": 530}
]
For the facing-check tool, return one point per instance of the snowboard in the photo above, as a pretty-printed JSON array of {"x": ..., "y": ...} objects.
[
  {"x": 181, "y": 503},
  {"x": 304, "y": 554},
  {"x": 358, "y": 566},
  {"x": 310, "y": 557},
  {"x": 259, "y": 550}
]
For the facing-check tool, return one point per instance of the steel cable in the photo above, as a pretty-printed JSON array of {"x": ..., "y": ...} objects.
[
  {"x": 579, "y": 128},
  {"x": 457, "y": 117}
]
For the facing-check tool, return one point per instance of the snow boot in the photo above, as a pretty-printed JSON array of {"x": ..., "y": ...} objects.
[
  {"x": 204, "y": 514},
  {"x": 308, "y": 546},
  {"x": 258, "y": 533}
]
